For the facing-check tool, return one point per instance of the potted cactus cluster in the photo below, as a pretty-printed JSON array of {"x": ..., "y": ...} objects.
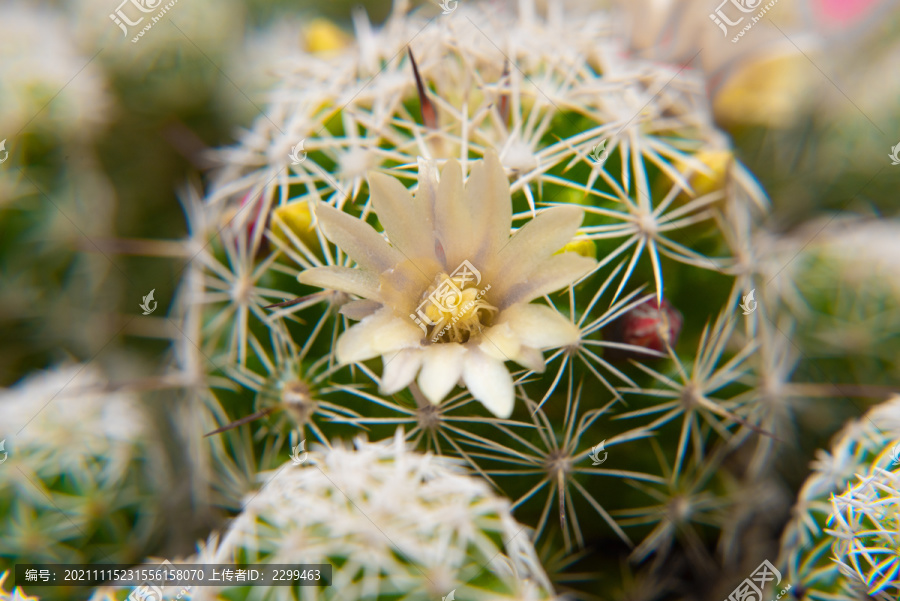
[{"x": 483, "y": 306}]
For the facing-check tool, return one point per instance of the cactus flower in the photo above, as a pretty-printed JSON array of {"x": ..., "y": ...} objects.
[{"x": 451, "y": 265}]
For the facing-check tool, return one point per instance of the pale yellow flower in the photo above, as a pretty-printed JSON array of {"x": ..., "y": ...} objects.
[{"x": 448, "y": 298}]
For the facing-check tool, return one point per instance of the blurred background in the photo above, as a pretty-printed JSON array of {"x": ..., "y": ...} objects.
[{"x": 103, "y": 132}]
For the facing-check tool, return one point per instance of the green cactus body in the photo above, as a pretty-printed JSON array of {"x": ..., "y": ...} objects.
[
  {"x": 846, "y": 514},
  {"x": 573, "y": 184}
]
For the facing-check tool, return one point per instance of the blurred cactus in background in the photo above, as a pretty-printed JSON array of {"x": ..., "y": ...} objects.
[
  {"x": 866, "y": 534},
  {"x": 64, "y": 185},
  {"x": 842, "y": 540},
  {"x": 14, "y": 595},
  {"x": 82, "y": 480}
]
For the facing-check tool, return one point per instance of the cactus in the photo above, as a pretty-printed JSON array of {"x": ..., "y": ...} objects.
[
  {"x": 866, "y": 534},
  {"x": 577, "y": 184},
  {"x": 48, "y": 166},
  {"x": 83, "y": 480},
  {"x": 844, "y": 532},
  {"x": 531, "y": 271},
  {"x": 391, "y": 522},
  {"x": 15, "y": 595}
]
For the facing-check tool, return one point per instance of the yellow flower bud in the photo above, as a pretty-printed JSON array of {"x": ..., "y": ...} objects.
[
  {"x": 324, "y": 36},
  {"x": 584, "y": 247},
  {"x": 296, "y": 217},
  {"x": 771, "y": 92},
  {"x": 717, "y": 162}
]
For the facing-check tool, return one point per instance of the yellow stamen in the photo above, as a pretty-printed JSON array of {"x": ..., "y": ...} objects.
[{"x": 458, "y": 314}]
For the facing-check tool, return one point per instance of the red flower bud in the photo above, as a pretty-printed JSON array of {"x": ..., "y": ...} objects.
[{"x": 647, "y": 325}]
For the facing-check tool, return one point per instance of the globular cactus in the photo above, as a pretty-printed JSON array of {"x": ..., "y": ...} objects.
[
  {"x": 393, "y": 523},
  {"x": 448, "y": 232},
  {"x": 530, "y": 250},
  {"x": 82, "y": 478},
  {"x": 48, "y": 166},
  {"x": 865, "y": 524},
  {"x": 842, "y": 541},
  {"x": 522, "y": 245},
  {"x": 15, "y": 595}
]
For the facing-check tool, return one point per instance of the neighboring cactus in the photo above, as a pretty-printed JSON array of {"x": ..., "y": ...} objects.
[
  {"x": 36, "y": 78},
  {"x": 849, "y": 278},
  {"x": 176, "y": 42},
  {"x": 865, "y": 524},
  {"x": 48, "y": 170},
  {"x": 842, "y": 542},
  {"x": 84, "y": 480},
  {"x": 16, "y": 594},
  {"x": 392, "y": 523}
]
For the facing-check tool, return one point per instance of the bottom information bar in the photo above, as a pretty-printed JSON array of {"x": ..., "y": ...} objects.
[{"x": 168, "y": 574}]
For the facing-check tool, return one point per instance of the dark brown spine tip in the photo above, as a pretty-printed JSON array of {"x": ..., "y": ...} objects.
[
  {"x": 429, "y": 112},
  {"x": 240, "y": 422},
  {"x": 289, "y": 303},
  {"x": 503, "y": 103}
]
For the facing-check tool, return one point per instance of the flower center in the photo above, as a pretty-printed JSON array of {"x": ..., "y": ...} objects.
[{"x": 456, "y": 314}]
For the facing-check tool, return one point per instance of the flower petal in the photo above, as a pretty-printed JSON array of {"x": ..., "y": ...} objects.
[
  {"x": 359, "y": 309},
  {"x": 403, "y": 285},
  {"x": 547, "y": 276},
  {"x": 399, "y": 370},
  {"x": 500, "y": 342},
  {"x": 442, "y": 366},
  {"x": 503, "y": 343},
  {"x": 537, "y": 240},
  {"x": 407, "y": 222},
  {"x": 346, "y": 279},
  {"x": 531, "y": 358},
  {"x": 489, "y": 204},
  {"x": 357, "y": 238},
  {"x": 427, "y": 184},
  {"x": 489, "y": 381},
  {"x": 540, "y": 326},
  {"x": 378, "y": 334},
  {"x": 452, "y": 220}
]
